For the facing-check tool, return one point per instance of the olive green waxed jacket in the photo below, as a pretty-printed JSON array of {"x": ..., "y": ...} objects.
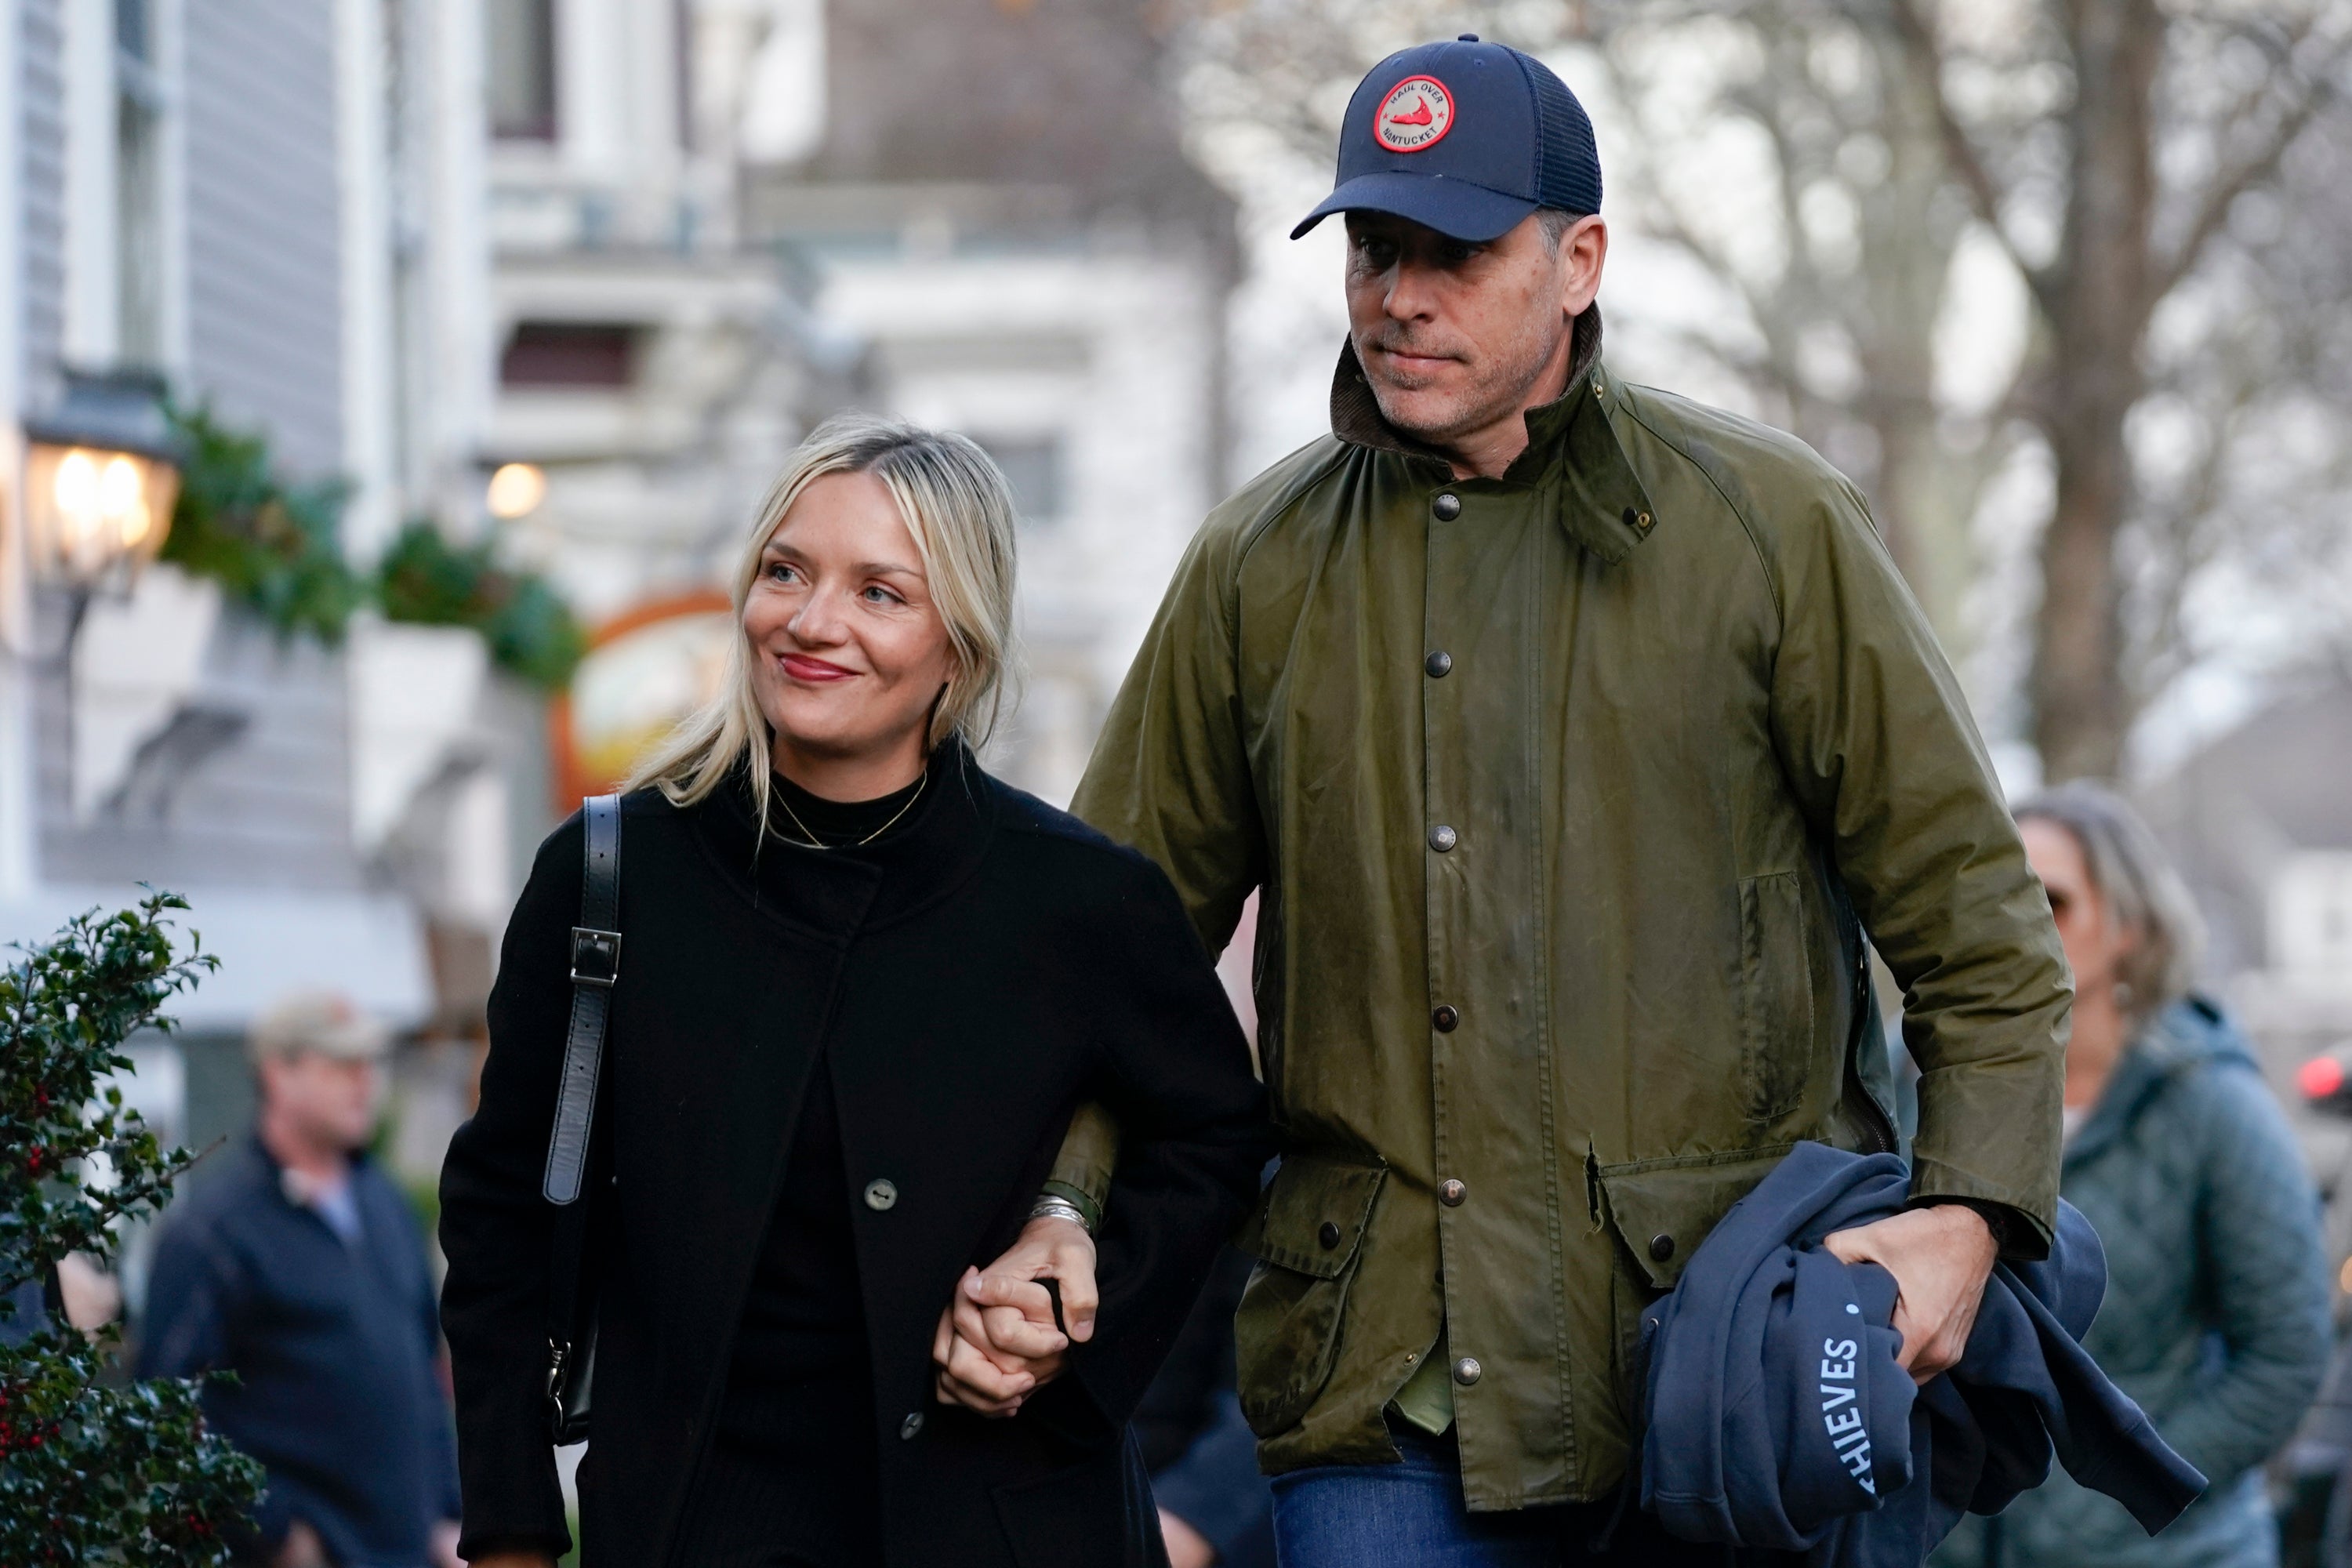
[{"x": 1564, "y": 791}]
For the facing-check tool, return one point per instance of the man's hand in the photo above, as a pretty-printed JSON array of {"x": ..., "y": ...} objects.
[
  {"x": 996, "y": 1342},
  {"x": 441, "y": 1551},
  {"x": 1940, "y": 1257},
  {"x": 514, "y": 1560}
]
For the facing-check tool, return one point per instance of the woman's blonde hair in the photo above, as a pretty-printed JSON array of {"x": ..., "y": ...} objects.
[{"x": 957, "y": 507}]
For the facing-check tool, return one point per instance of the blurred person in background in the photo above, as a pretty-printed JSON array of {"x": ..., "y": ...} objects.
[
  {"x": 2216, "y": 1316},
  {"x": 299, "y": 1268},
  {"x": 1575, "y": 732}
]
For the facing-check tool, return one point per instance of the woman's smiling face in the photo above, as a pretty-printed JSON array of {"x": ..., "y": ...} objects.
[{"x": 848, "y": 651}]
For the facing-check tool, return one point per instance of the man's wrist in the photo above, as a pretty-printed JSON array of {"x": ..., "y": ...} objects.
[
  {"x": 1052, "y": 1205},
  {"x": 1082, "y": 1208},
  {"x": 1998, "y": 1219}
]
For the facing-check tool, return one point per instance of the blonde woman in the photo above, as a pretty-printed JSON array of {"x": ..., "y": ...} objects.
[{"x": 861, "y": 985}]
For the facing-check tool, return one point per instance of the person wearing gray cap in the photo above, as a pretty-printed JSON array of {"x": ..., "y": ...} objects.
[
  {"x": 1581, "y": 742},
  {"x": 299, "y": 1267}
]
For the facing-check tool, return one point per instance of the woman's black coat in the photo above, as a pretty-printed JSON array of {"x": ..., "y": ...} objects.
[{"x": 994, "y": 963}]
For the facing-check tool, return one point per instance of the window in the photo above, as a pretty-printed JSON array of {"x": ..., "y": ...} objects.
[
  {"x": 1033, "y": 468},
  {"x": 569, "y": 353},
  {"x": 138, "y": 186},
  {"x": 520, "y": 66},
  {"x": 2311, "y": 913}
]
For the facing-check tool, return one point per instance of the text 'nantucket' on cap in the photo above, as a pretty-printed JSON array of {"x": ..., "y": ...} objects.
[{"x": 1466, "y": 138}]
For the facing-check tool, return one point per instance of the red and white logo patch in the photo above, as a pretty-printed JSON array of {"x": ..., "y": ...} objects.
[{"x": 1414, "y": 116}]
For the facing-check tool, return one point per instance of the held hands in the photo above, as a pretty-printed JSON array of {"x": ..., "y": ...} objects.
[
  {"x": 996, "y": 1343},
  {"x": 1940, "y": 1257}
]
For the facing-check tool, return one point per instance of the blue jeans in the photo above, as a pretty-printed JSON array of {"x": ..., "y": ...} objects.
[{"x": 1410, "y": 1515}]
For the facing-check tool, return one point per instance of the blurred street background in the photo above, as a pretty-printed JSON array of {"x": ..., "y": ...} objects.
[{"x": 384, "y": 383}]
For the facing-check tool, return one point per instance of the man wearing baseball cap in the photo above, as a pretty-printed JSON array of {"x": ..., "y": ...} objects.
[
  {"x": 299, "y": 1267},
  {"x": 1581, "y": 742}
]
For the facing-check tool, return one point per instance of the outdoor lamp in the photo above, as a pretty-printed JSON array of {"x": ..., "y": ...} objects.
[
  {"x": 102, "y": 472},
  {"x": 514, "y": 490}
]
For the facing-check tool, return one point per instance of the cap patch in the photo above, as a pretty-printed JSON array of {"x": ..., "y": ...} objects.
[{"x": 1414, "y": 116}]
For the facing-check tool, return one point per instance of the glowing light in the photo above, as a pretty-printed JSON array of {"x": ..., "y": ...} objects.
[
  {"x": 516, "y": 489},
  {"x": 76, "y": 490},
  {"x": 2320, "y": 1077},
  {"x": 101, "y": 476}
]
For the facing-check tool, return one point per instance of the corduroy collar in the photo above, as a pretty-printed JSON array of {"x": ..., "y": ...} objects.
[{"x": 1571, "y": 447}]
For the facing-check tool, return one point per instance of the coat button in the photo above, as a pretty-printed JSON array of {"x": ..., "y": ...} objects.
[
  {"x": 1447, "y": 506},
  {"x": 911, "y": 1427},
  {"x": 1328, "y": 1235},
  {"x": 1639, "y": 522},
  {"x": 881, "y": 1193},
  {"x": 1442, "y": 838},
  {"x": 1450, "y": 1194},
  {"x": 1662, "y": 1247},
  {"x": 1467, "y": 1370},
  {"x": 1444, "y": 1018},
  {"x": 1439, "y": 665}
]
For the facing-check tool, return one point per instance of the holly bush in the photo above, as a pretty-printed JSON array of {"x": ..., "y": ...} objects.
[{"x": 94, "y": 1469}]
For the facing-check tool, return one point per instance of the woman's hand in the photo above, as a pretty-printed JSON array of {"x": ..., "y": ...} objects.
[{"x": 996, "y": 1342}]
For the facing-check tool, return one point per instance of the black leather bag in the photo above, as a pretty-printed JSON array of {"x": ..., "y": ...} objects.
[{"x": 596, "y": 966}]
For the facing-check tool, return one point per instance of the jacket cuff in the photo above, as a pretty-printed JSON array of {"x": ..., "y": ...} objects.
[
  {"x": 2023, "y": 1234},
  {"x": 1082, "y": 1169}
]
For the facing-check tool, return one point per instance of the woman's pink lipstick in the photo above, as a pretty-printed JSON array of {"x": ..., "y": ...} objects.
[{"x": 800, "y": 667}]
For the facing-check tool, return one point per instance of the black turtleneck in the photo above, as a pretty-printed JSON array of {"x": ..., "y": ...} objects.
[
  {"x": 794, "y": 813},
  {"x": 800, "y": 1374}
]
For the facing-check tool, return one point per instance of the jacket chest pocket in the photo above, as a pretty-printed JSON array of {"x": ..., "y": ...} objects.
[
  {"x": 1310, "y": 1244},
  {"x": 1776, "y": 996}
]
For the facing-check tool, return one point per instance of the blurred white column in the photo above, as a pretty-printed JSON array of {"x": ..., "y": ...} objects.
[
  {"x": 363, "y": 160},
  {"x": 16, "y": 858},
  {"x": 92, "y": 315}
]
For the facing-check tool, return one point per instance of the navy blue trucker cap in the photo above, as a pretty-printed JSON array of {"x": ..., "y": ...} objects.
[{"x": 1465, "y": 138}]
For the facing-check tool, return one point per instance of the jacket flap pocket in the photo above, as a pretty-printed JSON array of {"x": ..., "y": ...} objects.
[
  {"x": 1662, "y": 1209},
  {"x": 1315, "y": 1213}
]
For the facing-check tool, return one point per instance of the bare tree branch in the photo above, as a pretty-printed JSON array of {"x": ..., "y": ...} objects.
[
  {"x": 2251, "y": 170},
  {"x": 1968, "y": 164}
]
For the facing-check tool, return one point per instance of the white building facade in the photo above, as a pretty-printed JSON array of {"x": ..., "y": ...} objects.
[{"x": 275, "y": 211}]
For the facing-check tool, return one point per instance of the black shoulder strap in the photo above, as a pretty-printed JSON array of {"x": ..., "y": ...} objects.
[{"x": 595, "y": 965}]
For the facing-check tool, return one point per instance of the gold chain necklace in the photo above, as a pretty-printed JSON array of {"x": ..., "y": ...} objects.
[{"x": 809, "y": 841}]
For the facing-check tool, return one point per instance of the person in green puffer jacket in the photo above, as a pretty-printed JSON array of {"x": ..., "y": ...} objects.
[{"x": 2216, "y": 1318}]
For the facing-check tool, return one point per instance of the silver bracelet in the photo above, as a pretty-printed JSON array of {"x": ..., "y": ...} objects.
[{"x": 1048, "y": 1207}]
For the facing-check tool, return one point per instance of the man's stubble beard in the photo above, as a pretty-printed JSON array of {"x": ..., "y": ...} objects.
[{"x": 1495, "y": 395}]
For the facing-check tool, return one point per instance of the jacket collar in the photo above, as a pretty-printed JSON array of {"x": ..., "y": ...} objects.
[
  {"x": 836, "y": 893},
  {"x": 1573, "y": 447}
]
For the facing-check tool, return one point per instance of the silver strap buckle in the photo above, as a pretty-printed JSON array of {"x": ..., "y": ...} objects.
[{"x": 595, "y": 956}]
